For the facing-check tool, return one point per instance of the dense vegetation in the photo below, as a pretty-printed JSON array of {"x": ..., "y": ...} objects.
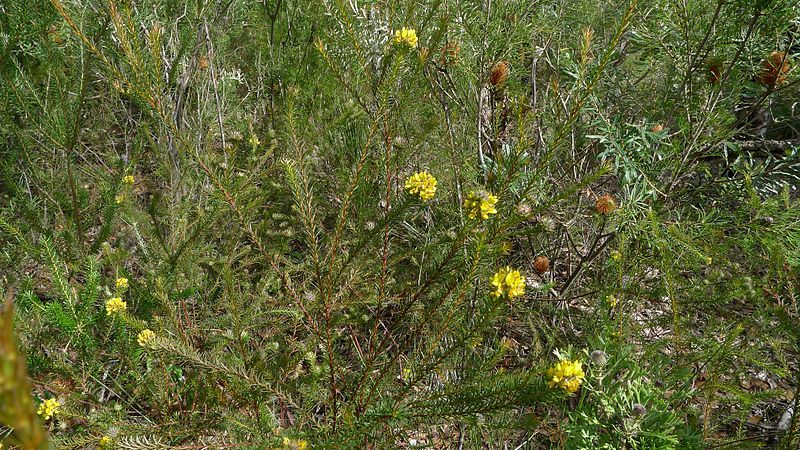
[{"x": 393, "y": 224}]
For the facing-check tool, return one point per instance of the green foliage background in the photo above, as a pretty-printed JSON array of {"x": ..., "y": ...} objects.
[{"x": 298, "y": 293}]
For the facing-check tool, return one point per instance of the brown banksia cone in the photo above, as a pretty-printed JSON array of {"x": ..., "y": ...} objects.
[
  {"x": 714, "y": 70},
  {"x": 499, "y": 74},
  {"x": 774, "y": 69},
  {"x": 449, "y": 56},
  {"x": 541, "y": 263},
  {"x": 606, "y": 204},
  {"x": 55, "y": 35}
]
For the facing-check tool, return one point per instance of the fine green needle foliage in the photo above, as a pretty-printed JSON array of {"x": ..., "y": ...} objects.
[{"x": 285, "y": 224}]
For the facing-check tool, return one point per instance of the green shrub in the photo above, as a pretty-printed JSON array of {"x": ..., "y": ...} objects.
[{"x": 245, "y": 168}]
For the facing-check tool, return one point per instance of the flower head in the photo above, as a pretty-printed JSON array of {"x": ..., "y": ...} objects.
[
  {"x": 48, "y": 408},
  {"x": 606, "y": 204},
  {"x": 508, "y": 282},
  {"x": 407, "y": 36},
  {"x": 128, "y": 179},
  {"x": 294, "y": 444},
  {"x": 774, "y": 69},
  {"x": 115, "y": 305},
  {"x": 599, "y": 357},
  {"x": 714, "y": 70},
  {"x": 119, "y": 199},
  {"x": 450, "y": 52},
  {"x": 105, "y": 442},
  {"x": 422, "y": 184},
  {"x": 524, "y": 210},
  {"x": 122, "y": 283},
  {"x": 567, "y": 375},
  {"x": 499, "y": 74},
  {"x": 480, "y": 205},
  {"x": 144, "y": 337}
]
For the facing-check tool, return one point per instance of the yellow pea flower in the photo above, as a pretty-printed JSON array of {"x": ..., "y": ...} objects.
[
  {"x": 294, "y": 444},
  {"x": 567, "y": 375},
  {"x": 480, "y": 205},
  {"x": 48, "y": 408},
  {"x": 407, "y": 36},
  {"x": 144, "y": 337},
  {"x": 507, "y": 281},
  {"x": 422, "y": 184},
  {"x": 115, "y": 305}
]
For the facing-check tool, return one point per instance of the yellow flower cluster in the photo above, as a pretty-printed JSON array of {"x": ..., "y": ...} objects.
[
  {"x": 115, "y": 305},
  {"x": 128, "y": 179},
  {"x": 294, "y": 444},
  {"x": 480, "y": 205},
  {"x": 105, "y": 442},
  {"x": 508, "y": 282},
  {"x": 407, "y": 374},
  {"x": 122, "y": 283},
  {"x": 144, "y": 337},
  {"x": 567, "y": 375},
  {"x": 48, "y": 408},
  {"x": 421, "y": 183},
  {"x": 406, "y": 36}
]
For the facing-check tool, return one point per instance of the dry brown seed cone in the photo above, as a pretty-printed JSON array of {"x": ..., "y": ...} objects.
[{"x": 541, "y": 263}]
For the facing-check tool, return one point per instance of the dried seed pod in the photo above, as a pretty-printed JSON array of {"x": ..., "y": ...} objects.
[
  {"x": 499, "y": 74},
  {"x": 606, "y": 204},
  {"x": 541, "y": 263}
]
